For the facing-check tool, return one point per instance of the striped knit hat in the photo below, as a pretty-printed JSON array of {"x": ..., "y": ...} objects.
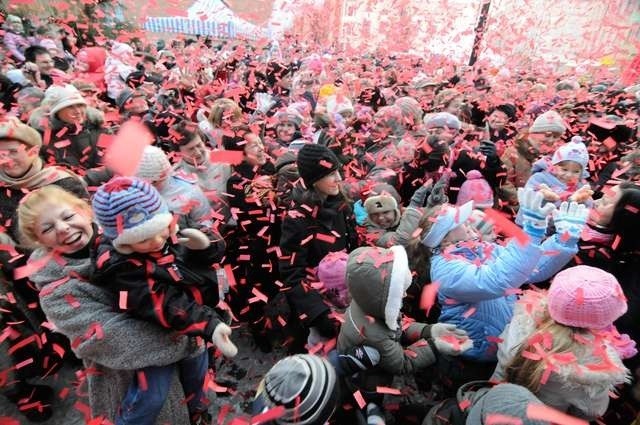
[{"x": 130, "y": 211}]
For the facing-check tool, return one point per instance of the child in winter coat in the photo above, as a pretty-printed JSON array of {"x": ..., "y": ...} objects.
[
  {"x": 306, "y": 388},
  {"x": 161, "y": 278},
  {"x": 477, "y": 280},
  {"x": 385, "y": 225},
  {"x": 561, "y": 344},
  {"x": 562, "y": 180},
  {"x": 181, "y": 193},
  {"x": 332, "y": 273},
  {"x": 378, "y": 279},
  {"x": 60, "y": 226}
]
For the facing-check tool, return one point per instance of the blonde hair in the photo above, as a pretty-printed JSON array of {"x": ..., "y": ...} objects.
[
  {"x": 221, "y": 109},
  {"x": 420, "y": 255},
  {"x": 31, "y": 207},
  {"x": 564, "y": 340}
]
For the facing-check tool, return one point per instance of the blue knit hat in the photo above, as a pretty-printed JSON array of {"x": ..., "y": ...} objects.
[{"x": 130, "y": 210}]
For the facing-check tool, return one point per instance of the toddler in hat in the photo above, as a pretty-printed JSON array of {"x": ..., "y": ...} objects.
[
  {"x": 477, "y": 280},
  {"x": 386, "y": 225},
  {"x": 161, "y": 276},
  {"x": 305, "y": 385},
  {"x": 561, "y": 343},
  {"x": 332, "y": 273},
  {"x": 563, "y": 178}
]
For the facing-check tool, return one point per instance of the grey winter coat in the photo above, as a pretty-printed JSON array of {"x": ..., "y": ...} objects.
[
  {"x": 575, "y": 387},
  {"x": 398, "y": 235},
  {"x": 377, "y": 286},
  {"x": 119, "y": 344}
]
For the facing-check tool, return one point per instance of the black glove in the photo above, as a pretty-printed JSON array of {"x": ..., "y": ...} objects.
[
  {"x": 488, "y": 149},
  {"x": 325, "y": 326},
  {"x": 358, "y": 358},
  {"x": 438, "y": 194}
]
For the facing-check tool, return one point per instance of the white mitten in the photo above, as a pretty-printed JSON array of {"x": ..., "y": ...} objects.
[
  {"x": 221, "y": 340},
  {"x": 450, "y": 340},
  {"x": 193, "y": 239}
]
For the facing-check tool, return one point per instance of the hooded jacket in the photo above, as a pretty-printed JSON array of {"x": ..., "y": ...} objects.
[
  {"x": 579, "y": 387},
  {"x": 475, "y": 280},
  {"x": 111, "y": 344},
  {"x": 377, "y": 279}
]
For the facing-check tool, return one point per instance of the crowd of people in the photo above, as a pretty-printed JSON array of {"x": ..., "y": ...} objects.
[{"x": 374, "y": 217}]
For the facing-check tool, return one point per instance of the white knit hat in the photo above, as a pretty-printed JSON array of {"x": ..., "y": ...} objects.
[
  {"x": 154, "y": 165},
  {"x": 119, "y": 50},
  {"x": 58, "y": 98},
  {"x": 336, "y": 106},
  {"x": 549, "y": 121},
  {"x": 442, "y": 120},
  {"x": 574, "y": 151}
]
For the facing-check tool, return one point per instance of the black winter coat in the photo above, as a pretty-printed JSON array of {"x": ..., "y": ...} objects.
[
  {"x": 310, "y": 231},
  {"x": 624, "y": 266},
  {"x": 77, "y": 149},
  {"x": 176, "y": 288}
]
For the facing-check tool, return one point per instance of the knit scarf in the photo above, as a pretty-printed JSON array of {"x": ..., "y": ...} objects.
[
  {"x": 37, "y": 176},
  {"x": 595, "y": 234}
]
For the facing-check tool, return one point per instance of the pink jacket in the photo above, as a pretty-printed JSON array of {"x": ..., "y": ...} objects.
[{"x": 16, "y": 44}]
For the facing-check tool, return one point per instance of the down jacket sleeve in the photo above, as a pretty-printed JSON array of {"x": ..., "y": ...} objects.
[
  {"x": 402, "y": 235},
  {"x": 555, "y": 256},
  {"x": 394, "y": 357},
  {"x": 159, "y": 301},
  {"x": 465, "y": 281}
]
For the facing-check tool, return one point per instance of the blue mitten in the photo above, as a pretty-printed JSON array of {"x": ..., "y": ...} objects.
[
  {"x": 534, "y": 213},
  {"x": 569, "y": 220}
]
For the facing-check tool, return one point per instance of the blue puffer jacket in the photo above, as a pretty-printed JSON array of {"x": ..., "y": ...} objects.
[{"x": 475, "y": 283}]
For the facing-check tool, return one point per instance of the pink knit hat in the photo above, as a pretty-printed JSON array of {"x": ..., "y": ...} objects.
[
  {"x": 586, "y": 297},
  {"x": 475, "y": 189},
  {"x": 332, "y": 272}
]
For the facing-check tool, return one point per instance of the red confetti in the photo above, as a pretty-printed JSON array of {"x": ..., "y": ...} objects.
[
  {"x": 357, "y": 396},
  {"x": 268, "y": 416},
  {"x": 428, "y": 296},
  {"x": 545, "y": 413},
  {"x": 507, "y": 227},
  {"x": 226, "y": 157},
  {"x": 125, "y": 152}
]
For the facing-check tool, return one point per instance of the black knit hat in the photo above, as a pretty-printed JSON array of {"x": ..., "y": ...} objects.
[
  {"x": 508, "y": 109},
  {"x": 236, "y": 141},
  {"x": 315, "y": 162}
]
